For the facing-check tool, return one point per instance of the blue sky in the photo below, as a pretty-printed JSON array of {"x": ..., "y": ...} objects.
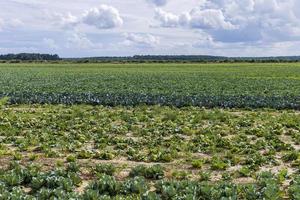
[{"x": 79, "y": 28}]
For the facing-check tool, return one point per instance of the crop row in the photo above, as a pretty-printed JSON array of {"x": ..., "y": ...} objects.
[
  {"x": 19, "y": 182},
  {"x": 112, "y": 99},
  {"x": 190, "y": 143},
  {"x": 211, "y": 85}
]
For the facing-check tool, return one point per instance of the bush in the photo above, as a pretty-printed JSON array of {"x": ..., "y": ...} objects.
[
  {"x": 136, "y": 185},
  {"x": 154, "y": 172},
  {"x": 244, "y": 172},
  {"x": 73, "y": 167},
  {"x": 106, "y": 185},
  {"x": 197, "y": 164},
  {"x": 180, "y": 175},
  {"x": 84, "y": 154},
  {"x": 107, "y": 155},
  {"x": 107, "y": 169},
  {"x": 4, "y": 101},
  {"x": 218, "y": 164},
  {"x": 204, "y": 176},
  {"x": 269, "y": 186},
  {"x": 294, "y": 189},
  {"x": 290, "y": 156},
  {"x": 71, "y": 158}
]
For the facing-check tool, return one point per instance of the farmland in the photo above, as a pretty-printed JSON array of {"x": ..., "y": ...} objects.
[
  {"x": 150, "y": 131},
  {"x": 210, "y": 85}
]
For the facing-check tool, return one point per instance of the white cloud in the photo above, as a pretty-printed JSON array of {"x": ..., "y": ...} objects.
[
  {"x": 15, "y": 23},
  {"x": 141, "y": 40},
  {"x": 104, "y": 17},
  {"x": 196, "y": 18},
  {"x": 158, "y": 2},
  {"x": 231, "y": 27},
  {"x": 206, "y": 41},
  {"x": 166, "y": 19},
  {"x": 79, "y": 41},
  {"x": 209, "y": 19},
  {"x": 10, "y": 24},
  {"x": 50, "y": 43},
  {"x": 67, "y": 20},
  {"x": 240, "y": 20},
  {"x": 18, "y": 50},
  {"x": 1, "y": 24}
]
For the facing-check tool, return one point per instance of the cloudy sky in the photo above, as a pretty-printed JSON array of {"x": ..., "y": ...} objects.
[{"x": 79, "y": 28}]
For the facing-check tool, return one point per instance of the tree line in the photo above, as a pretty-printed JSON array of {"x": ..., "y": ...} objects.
[
  {"x": 37, "y": 57},
  {"x": 182, "y": 59},
  {"x": 30, "y": 56}
]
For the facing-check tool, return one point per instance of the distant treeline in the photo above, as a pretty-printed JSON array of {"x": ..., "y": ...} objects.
[
  {"x": 29, "y": 56},
  {"x": 54, "y": 58},
  {"x": 182, "y": 59}
]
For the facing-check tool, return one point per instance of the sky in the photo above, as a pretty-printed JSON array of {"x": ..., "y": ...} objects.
[{"x": 83, "y": 28}]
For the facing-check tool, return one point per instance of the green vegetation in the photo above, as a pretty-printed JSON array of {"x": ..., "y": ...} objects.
[
  {"x": 154, "y": 172},
  {"x": 212, "y": 153},
  {"x": 149, "y": 131},
  {"x": 29, "y": 57},
  {"x": 210, "y": 85},
  {"x": 62, "y": 183}
]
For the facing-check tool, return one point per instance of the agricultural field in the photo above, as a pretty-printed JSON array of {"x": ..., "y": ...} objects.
[
  {"x": 150, "y": 131},
  {"x": 210, "y": 85}
]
